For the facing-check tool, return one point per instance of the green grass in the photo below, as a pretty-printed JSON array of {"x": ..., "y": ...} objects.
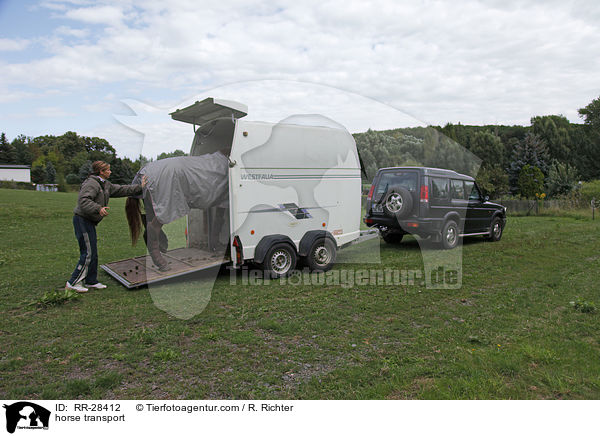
[{"x": 508, "y": 332}]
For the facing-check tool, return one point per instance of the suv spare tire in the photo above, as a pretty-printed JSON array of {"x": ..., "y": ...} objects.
[{"x": 398, "y": 202}]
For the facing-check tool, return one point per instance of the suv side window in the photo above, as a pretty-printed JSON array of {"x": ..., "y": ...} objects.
[
  {"x": 458, "y": 190},
  {"x": 472, "y": 191},
  {"x": 439, "y": 188}
]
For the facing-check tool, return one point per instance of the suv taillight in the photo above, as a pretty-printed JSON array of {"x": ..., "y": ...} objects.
[
  {"x": 370, "y": 196},
  {"x": 424, "y": 194}
]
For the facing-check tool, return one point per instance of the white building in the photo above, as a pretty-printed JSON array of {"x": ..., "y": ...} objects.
[{"x": 15, "y": 173}]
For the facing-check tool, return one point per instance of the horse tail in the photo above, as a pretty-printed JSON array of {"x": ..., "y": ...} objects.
[{"x": 134, "y": 218}]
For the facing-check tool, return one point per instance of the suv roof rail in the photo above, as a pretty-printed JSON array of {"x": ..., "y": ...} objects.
[{"x": 432, "y": 171}]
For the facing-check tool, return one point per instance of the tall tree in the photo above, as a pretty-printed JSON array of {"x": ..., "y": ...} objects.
[
  {"x": 70, "y": 144},
  {"x": 122, "y": 173},
  {"x": 50, "y": 173},
  {"x": 488, "y": 147},
  {"x": 493, "y": 180},
  {"x": 175, "y": 153},
  {"x": 586, "y": 151},
  {"x": 7, "y": 151},
  {"x": 554, "y": 130},
  {"x": 38, "y": 173},
  {"x": 85, "y": 170},
  {"x": 24, "y": 156},
  {"x": 591, "y": 114},
  {"x": 530, "y": 151}
]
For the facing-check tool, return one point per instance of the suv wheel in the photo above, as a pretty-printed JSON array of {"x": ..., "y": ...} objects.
[
  {"x": 450, "y": 235},
  {"x": 392, "y": 238},
  {"x": 398, "y": 202},
  {"x": 280, "y": 260},
  {"x": 495, "y": 230},
  {"x": 321, "y": 256}
]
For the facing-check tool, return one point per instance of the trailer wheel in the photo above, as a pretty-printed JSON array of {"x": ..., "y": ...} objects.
[
  {"x": 321, "y": 256},
  {"x": 280, "y": 260}
]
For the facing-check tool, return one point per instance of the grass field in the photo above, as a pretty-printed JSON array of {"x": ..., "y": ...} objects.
[{"x": 509, "y": 332}]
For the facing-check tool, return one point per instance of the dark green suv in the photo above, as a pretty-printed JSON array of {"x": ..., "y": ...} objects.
[{"x": 432, "y": 203}]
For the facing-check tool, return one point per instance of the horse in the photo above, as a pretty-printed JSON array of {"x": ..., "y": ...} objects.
[{"x": 173, "y": 187}]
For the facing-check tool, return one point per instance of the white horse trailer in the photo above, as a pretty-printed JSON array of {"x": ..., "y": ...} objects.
[{"x": 294, "y": 193}]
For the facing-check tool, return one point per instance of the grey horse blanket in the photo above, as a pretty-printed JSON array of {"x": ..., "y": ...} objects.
[{"x": 178, "y": 184}]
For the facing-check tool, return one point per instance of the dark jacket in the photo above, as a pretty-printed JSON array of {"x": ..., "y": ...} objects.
[{"x": 94, "y": 195}]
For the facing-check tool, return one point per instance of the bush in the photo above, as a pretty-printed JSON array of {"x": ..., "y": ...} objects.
[
  {"x": 493, "y": 181},
  {"x": 562, "y": 179},
  {"x": 62, "y": 183},
  {"x": 17, "y": 185},
  {"x": 583, "y": 306},
  {"x": 55, "y": 298},
  {"x": 73, "y": 179},
  {"x": 588, "y": 191},
  {"x": 531, "y": 181}
]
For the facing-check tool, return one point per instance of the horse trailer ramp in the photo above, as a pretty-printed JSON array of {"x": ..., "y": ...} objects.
[{"x": 140, "y": 271}]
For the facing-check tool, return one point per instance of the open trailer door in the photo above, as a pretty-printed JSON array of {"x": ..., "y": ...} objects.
[
  {"x": 140, "y": 271},
  {"x": 208, "y": 110}
]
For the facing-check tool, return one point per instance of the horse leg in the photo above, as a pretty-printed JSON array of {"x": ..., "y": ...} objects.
[{"x": 154, "y": 230}]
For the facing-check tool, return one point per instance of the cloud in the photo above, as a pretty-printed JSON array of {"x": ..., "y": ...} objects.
[
  {"x": 468, "y": 61},
  {"x": 109, "y": 15},
  {"x": 53, "y": 6},
  {"x": 69, "y": 31},
  {"x": 11, "y": 96},
  {"x": 52, "y": 112},
  {"x": 7, "y": 44},
  {"x": 148, "y": 128}
]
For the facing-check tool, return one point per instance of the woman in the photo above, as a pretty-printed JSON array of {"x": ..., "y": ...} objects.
[
  {"x": 92, "y": 207},
  {"x": 176, "y": 185}
]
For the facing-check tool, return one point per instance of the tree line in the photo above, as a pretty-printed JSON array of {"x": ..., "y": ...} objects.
[
  {"x": 67, "y": 159},
  {"x": 549, "y": 157}
]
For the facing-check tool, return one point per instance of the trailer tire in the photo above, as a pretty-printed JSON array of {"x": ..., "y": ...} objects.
[
  {"x": 321, "y": 256},
  {"x": 280, "y": 260}
]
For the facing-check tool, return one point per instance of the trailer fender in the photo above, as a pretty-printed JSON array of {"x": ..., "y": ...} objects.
[
  {"x": 266, "y": 243},
  {"x": 310, "y": 237}
]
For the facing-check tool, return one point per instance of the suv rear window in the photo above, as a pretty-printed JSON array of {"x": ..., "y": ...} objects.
[{"x": 404, "y": 179}]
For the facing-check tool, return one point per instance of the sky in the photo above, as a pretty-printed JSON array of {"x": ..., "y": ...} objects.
[{"x": 115, "y": 69}]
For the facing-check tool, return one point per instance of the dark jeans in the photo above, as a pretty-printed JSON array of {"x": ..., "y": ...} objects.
[{"x": 87, "y": 267}]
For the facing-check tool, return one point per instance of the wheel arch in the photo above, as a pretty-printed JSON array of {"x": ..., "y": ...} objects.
[
  {"x": 267, "y": 242},
  {"x": 454, "y": 216},
  {"x": 498, "y": 214},
  {"x": 310, "y": 237}
]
